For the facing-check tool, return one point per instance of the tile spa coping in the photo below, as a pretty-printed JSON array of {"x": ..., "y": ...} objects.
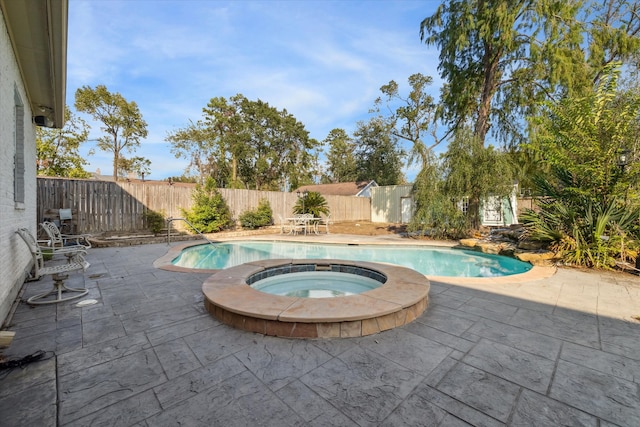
[{"x": 400, "y": 300}]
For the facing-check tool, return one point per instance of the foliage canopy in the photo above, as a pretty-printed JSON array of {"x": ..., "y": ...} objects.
[
  {"x": 247, "y": 144},
  {"x": 377, "y": 154},
  {"x": 121, "y": 120},
  {"x": 57, "y": 149},
  {"x": 500, "y": 58},
  {"x": 341, "y": 162},
  {"x": 590, "y": 212}
]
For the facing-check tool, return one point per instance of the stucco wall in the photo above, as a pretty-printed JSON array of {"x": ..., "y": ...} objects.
[{"x": 14, "y": 256}]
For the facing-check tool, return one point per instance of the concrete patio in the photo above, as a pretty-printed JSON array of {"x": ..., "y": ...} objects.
[{"x": 563, "y": 350}]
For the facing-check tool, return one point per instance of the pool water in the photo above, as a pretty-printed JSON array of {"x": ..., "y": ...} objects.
[
  {"x": 316, "y": 284},
  {"x": 429, "y": 261}
]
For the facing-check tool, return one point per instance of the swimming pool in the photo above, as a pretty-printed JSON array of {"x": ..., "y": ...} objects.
[{"x": 429, "y": 261}]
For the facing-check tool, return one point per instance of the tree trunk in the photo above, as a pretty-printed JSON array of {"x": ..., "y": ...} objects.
[
  {"x": 474, "y": 212},
  {"x": 234, "y": 169},
  {"x": 490, "y": 61},
  {"x": 116, "y": 159}
]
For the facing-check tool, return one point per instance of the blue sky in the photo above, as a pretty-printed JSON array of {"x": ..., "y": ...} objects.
[{"x": 322, "y": 61}]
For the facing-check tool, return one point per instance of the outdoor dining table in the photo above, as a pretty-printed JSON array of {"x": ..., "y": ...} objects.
[{"x": 303, "y": 221}]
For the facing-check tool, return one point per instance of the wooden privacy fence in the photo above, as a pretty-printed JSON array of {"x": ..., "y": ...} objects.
[{"x": 104, "y": 206}]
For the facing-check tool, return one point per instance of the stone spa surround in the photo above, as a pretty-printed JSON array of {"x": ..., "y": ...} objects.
[{"x": 400, "y": 300}]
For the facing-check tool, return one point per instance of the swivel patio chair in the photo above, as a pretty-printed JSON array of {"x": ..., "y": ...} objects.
[
  {"x": 59, "y": 240},
  {"x": 59, "y": 272}
]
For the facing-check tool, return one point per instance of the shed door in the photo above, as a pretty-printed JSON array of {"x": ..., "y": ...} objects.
[
  {"x": 407, "y": 209},
  {"x": 492, "y": 211}
]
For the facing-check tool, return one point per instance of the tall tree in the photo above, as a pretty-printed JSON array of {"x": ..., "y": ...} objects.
[
  {"x": 410, "y": 117},
  {"x": 377, "y": 154},
  {"x": 341, "y": 162},
  {"x": 57, "y": 149},
  {"x": 247, "y": 144},
  {"x": 121, "y": 120},
  {"x": 222, "y": 121},
  {"x": 500, "y": 58},
  {"x": 485, "y": 45},
  {"x": 136, "y": 165},
  {"x": 199, "y": 144},
  {"x": 274, "y": 146}
]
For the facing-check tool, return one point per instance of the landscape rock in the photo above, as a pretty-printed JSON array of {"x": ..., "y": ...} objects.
[
  {"x": 469, "y": 243},
  {"x": 538, "y": 258},
  {"x": 528, "y": 245},
  {"x": 489, "y": 247}
]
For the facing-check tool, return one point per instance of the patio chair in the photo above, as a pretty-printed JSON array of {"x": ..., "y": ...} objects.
[
  {"x": 59, "y": 240},
  {"x": 325, "y": 221},
  {"x": 283, "y": 224},
  {"x": 65, "y": 216},
  {"x": 59, "y": 272},
  {"x": 300, "y": 223}
]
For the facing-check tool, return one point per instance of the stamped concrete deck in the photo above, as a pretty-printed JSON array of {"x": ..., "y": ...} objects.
[{"x": 560, "y": 350}]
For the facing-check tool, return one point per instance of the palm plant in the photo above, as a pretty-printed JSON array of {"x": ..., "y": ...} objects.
[
  {"x": 311, "y": 203},
  {"x": 589, "y": 210},
  {"x": 585, "y": 232}
]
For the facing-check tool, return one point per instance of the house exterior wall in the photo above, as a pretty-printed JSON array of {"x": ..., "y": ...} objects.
[
  {"x": 15, "y": 259},
  {"x": 386, "y": 203},
  {"x": 366, "y": 191}
]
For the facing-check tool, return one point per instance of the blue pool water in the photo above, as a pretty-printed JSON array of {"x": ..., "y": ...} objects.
[
  {"x": 429, "y": 261},
  {"x": 316, "y": 284}
]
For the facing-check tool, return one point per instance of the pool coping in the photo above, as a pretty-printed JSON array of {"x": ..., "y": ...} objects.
[{"x": 400, "y": 300}]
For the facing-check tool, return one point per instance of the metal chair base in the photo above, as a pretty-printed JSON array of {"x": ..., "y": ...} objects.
[{"x": 58, "y": 288}]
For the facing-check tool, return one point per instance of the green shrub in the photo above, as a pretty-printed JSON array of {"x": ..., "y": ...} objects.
[
  {"x": 209, "y": 213},
  {"x": 155, "y": 221},
  {"x": 589, "y": 213},
  {"x": 259, "y": 217}
]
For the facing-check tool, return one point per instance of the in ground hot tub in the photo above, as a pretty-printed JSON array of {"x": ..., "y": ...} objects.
[
  {"x": 316, "y": 280},
  {"x": 398, "y": 296}
]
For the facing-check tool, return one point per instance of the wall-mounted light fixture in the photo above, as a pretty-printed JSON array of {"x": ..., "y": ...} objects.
[{"x": 43, "y": 121}]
